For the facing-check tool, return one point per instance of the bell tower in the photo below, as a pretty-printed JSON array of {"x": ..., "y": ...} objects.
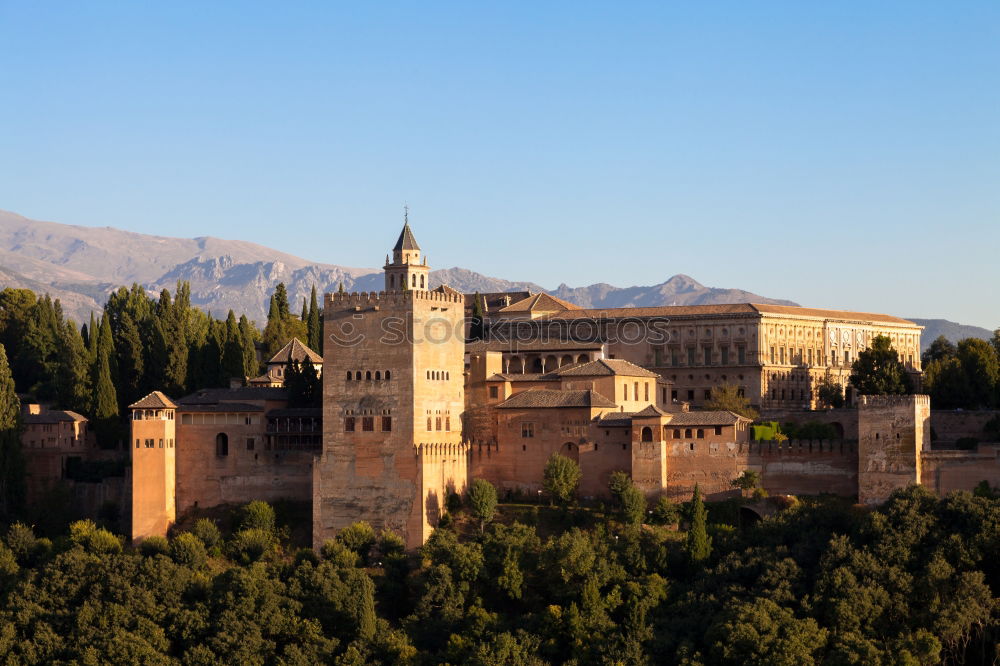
[{"x": 408, "y": 271}]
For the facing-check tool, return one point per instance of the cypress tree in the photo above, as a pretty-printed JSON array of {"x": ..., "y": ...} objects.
[
  {"x": 315, "y": 330},
  {"x": 104, "y": 410},
  {"x": 476, "y": 331},
  {"x": 73, "y": 373},
  {"x": 131, "y": 362},
  {"x": 91, "y": 340},
  {"x": 232, "y": 351},
  {"x": 275, "y": 333},
  {"x": 304, "y": 317},
  {"x": 12, "y": 468},
  {"x": 281, "y": 300},
  {"x": 340, "y": 288},
  {"x": 248, "y": 336},
  {"x": 699, "y": 545}
]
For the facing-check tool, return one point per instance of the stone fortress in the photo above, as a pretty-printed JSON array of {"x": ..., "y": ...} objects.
[{"x": 412, "y": 412}]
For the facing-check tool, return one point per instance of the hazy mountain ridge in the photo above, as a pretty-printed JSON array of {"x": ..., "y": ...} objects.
[
  {"x": 81, "y": 265},
  {"x": 949, "y": 329}
]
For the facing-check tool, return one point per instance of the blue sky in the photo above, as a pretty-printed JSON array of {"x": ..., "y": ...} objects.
[{"x": 842, "y": 154}]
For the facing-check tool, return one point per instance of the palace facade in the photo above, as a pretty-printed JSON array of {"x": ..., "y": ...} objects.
[{"x": 412, "y": 412}]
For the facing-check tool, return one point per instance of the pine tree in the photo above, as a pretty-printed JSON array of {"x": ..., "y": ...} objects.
[
  {"x": 699, "y": 544},
  {"x": 315, "y": 331},
  {"x": 476, "y": 324},
  {"x": 12, "y": 467}
]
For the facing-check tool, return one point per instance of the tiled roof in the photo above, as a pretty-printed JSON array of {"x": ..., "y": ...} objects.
[
  {"x": 220, "y": 407},
  {"x": 540, "y": 398},
  {"x": 706, "y": 418},
  {"x": 527, "y": 377},
  {"x": 213, "y": 395},
  {"x": 615, "y": 420},
  {"x": 725, "y": 309},
  {"x": 296, "y": 350},
  {"x": 406, "y": 240},
  {"x": 155, "y": 400},
  {"x": 541, "y": 303},
  {"x": 604, "y": 367},
  {"x": 829, "y": 314},
  {"x": 445, "y": 289},
  {"x": 650, "y": 411},
  {"x": 53, "y": 416}
]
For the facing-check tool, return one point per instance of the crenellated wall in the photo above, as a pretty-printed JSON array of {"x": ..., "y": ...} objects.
[{"x": 794, "y": 467}]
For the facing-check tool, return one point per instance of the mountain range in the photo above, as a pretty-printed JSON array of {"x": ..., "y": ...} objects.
[{"x": 82, "y": 265}]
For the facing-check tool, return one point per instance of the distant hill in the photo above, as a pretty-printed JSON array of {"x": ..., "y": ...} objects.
[
  {"x": 81, "y": 265},
  {"x": 949, "y": 329}
]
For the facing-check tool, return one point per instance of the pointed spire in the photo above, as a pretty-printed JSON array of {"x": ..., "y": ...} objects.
[{"x": 406, "y": 240}]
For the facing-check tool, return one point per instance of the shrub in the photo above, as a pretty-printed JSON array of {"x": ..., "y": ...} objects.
[
  {"x": 257, "y": 515},
  {"x": 337, "y": 553},
  {"x": 86, "y": 534},
  {"x": 482, "y": 501},
  {"x": 665, "y": 512},
  {"x": 390, "y": 544},
  {"x": 207, "y": 531},
  {"x": 251, "y": 544},
  {"x": 359, "y": 537},
  {"x": 454, "y": 502},
  {"x": 22, "y": 542},
  {"x": 154, "y": 545},
  {"x": 188, "y": 550},
  {"x": 561, "y": 478}
]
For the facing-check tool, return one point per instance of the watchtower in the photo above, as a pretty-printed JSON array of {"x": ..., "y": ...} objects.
[
  {"x": 393, "y": 387},
  {"x": 893, "y": 430},
  {"x": 154, "y": 481}
]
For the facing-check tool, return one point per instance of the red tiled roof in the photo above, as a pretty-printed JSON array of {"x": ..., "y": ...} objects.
[
  {"x": 155, "y": 400},
  {"x": 543, "y": 398}
]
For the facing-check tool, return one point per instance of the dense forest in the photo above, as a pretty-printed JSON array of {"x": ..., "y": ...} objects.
[
  {"x": 137, "y": 345},
  {"x": 820, "y": 581}
]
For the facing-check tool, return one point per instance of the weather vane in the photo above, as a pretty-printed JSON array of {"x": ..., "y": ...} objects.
[{"x": 406, "y": 213}]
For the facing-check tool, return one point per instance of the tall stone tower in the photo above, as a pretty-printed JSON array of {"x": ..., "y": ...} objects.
[
  {"x": 393, "y": 386},
  {"x": 407, "y": 270},
  {"x": 154, "y": 456},
  {"x": 893, "y": 430}
]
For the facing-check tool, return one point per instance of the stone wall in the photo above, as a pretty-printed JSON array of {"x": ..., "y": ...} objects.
[
  {"x": 946, "y": 471},
  {"x": 893, "y": 430},
  {"x": 791, "y": 467},
  {"x": 951, "y": 425}
]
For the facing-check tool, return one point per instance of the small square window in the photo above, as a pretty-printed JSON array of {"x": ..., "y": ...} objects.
[{"x": 527, "y": 430}]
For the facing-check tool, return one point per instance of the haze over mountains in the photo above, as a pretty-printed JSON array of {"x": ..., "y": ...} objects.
[{"x": 81, "y": 265}]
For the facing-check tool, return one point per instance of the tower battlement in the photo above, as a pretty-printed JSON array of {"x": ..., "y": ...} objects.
[
  {"x": 886, "y": 401},
  {"x": 363, "y": 299}
]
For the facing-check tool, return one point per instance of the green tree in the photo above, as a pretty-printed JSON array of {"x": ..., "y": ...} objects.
[
  {"x": 482, "y": 501},
  {"x": 315, "y": 327},
  {"x": 830, "y": 392},
  {"x": 698, "y": 545},
  {"x": 940, "y": 349},
  {"x": 730, "y": 398},
  {"x": 747, "y": 481},
  {"x": 629, "y": 499},
  {"x": 73, "y": 371},
  {"x": 130, "y": 361},
  {"x": 561, "y": 478},
  {"x": 476, "y": 324},
  {"x": 104, "y": 410},
  {"x": 982, "y": 371},
  {"x": 248, "y": 336},
  {"x": 878, "y": 371},
  {"x": 12, "y": 464},
  {"x": 233, "y": 361}
]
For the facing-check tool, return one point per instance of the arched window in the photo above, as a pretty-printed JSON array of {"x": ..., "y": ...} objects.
[
  {"x": 677, "y": 434},
  {"x": 647, "y": 434},
  {"x": 348, "y": 375},
  {"x": 582, "y": 358},
  {"x": 701, "y": 434},
  {"x": 429, "y": 425},
  {"x": 222, "y": 444},
  {"x": 387, "y": 375},
  {"x": 447, "y": 375},
  {"x": 368, "y": 375},
  {"x": 378, "y": 375},
  {"x": 414, "y": 281},
  {"x": 357, "y": 375},
  {"x": 687, "y": 433},
  {"x": 428, "y": 374},
  {"x": 421, "y": 281},
  {"x": 392, "y": 282}
]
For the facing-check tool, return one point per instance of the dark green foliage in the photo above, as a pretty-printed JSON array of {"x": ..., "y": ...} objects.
[
  {"x": 358, "y": 537},
  {"x": 698, "y": 545},
  {"x": 809, "y": 430},
  {"x": 730, "y": 398},
  {"x": 830, "y": 392},
  {"x": 939, "y": 350},
  {"x": 12, "y": 465},
  {"x": 967, "y": 376},
  {"x": 305, "y": 387},
  {"x": 910, "y": 582},
  {"x": 561, "y": 479},
  {"x": 747, "y": 481},
  {"x": 665, "y": 512},
  {"x": 207, "y": 531},
  {"x": 256, "y": 515},
  {"x": 482, "y": 501},
  {"x": 476, "y": 323},
  {"x": 314, "y": 323},
  {"x": 630, "y": 501},
  {"x": 878, "y": 370},
  {"x": 154, "y": 545}
]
